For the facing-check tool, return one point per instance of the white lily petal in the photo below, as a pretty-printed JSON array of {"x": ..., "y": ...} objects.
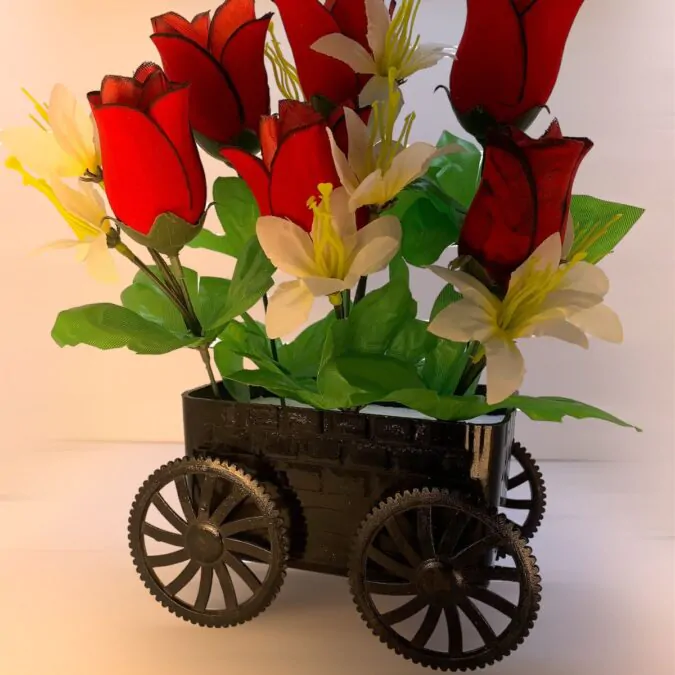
[
  {"x": 287, "y": 245},
  {"x": 100, "y": 264},
  {"x": 469, "y": 287},
  {"x": 322, "y": 286},
  {"x": 377, "y": 15},
  {"x": 376, "y": 89},
  {"x": 39, "y": 152},
  {"x": 73, "y": 128},
  {"x": 59, "y": 245},
  {"x": 561, "y": 330},
  {"x": 344, "y": 220},
  {"x": 505, "y": 369},
  {"x": 375, "y": 256},
  {"x": 408, "y": 166},
  {"x": 348, "y": 51},
  {"x": 85, "y": 203},
  {"x": 348, "y": 177},
  {"x": 462, "y": 321},
  {"x": 425, "y": 56},
  {"x": 372, "y": 190},
  {"x": 359, "y": 141},
  {"x": 600, "y": 322},
  {"x": 568, "y": 243},
  {"x": 569, "y": 302},
  {"x": 586, "y": 278},
  {"x": 288, "y": 309}
]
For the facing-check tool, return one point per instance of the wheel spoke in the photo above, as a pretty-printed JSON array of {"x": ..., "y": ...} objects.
[
  {"x": 517, "y": 504},
  {"x": 244, "y": 525},
  {"x": 477, "y": 619},
  {"x": 205, "y": 585},
  {"x": 382, "y": 588},
  {"x": 183, "y": 579},
  {"x": 455, "y": 639},
  {"x": 453, "y": 533},
  {"x": 163, "y": 507},
  {"x": 225, "y": 580},
  {"x": 501, "y": 573},
  {"x": 164, "y": 536},
  {"x": 425, "y": 533},
  {"x": 228, "y": 505},
  {"x": 240, "y": 568},
  {"x": 427, "y": 628},
  {"x": 473, "y": 551},
  {"x": 417, "y": 604},
  {"x": 517, "y": 481},
  {"x": 402, "y": 544},
  {"x": 491, "y": 598},
  {"x": 391, "y": 565},
  {"x": 166, "y": 559},
  {"x": 185, "y": 498},
  {"x": 249, "y": 550},
  {"x": 205, "y": 497}
]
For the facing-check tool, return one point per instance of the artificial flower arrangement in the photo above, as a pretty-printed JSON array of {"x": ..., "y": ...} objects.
[{"x": 329, "y": 191}]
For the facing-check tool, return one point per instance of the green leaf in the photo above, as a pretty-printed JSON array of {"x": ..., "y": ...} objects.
[
  {"x": 211, "y": 303},
  {"x": 302, "y": 357},
  {"x": 399, "y": 271},
  {"x": 145, "y": 299},
  {"x": 374, "y": 322},
  {"x": 377, "y": 375},
  {"x": 412, "y": 342},
  {"x": 248, "y": 340},
  {"x": 227, "y": 363},
  {"x": 252, "y": 278},
  {"x": 212, "y": 242},
  {"x": 457, "y": 174},
  {"x": 602, "y": 224},
  {"x": 444, "y": 366},
  {"x": 447, "y": 297},
  {"x": 237, "y": 211},
  {"x": 279, "y": 384},
  {"x": 108, "y": 326}
]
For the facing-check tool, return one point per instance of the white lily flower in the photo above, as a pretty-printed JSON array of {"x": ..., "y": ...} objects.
[
  {"x": 393, "y": 47},
  {"x": 63, "y": 141},
  {"x": 329, "y": 260},
  {"x": 84, "y": 211},
  {"x": 544, "y": 298},
  {"x": 379, "y": 165}
]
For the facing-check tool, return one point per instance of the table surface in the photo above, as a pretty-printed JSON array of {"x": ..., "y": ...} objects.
[{"x": 72, "y": 604}]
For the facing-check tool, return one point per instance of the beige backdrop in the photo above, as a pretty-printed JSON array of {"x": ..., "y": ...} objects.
[{"x": 616, "y": 87}]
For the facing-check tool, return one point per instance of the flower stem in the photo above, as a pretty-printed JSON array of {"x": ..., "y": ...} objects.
[
  {"x": 273, "y": 345},
  {"x": 473, "y": 370},
  {"x": 206, "y": 358},
  {"x": 361, "y": 290},
  {"x": 179, "y": 274},
  {"x": 166, "y": 271}
]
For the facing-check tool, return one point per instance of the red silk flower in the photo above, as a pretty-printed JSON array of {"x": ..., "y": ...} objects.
[
  {"x": 296, "y": 158},
  {"x": 305, "y": 21},
  {"x": 150, "y": 159},
  {"x": 223, "y": 59},
  {"x": 509, "y": 57},
  {"x": 523, "y": 199}
]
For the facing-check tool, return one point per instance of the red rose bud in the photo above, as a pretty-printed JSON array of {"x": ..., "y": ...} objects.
[
  {"x": 523, "y": 199},
  {"x": 305, "y": 21},
  {"x": 296, "y": 158},
  {"x": 223, "y": 59},
  {"x": 508, "y": 60},
  {"x": 150, "y": 161}
]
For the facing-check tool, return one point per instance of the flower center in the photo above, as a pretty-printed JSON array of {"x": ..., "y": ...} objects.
[
  {"x": 400, "y": 46},
  {"x": 329, "y": 249}
]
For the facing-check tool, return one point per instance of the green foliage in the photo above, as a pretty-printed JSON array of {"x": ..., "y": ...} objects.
[
  {"x": 238, "y": 213},
  {"x": 447, "y": 297},
  {"x": 599, "y": 225},
  {"x": 412, "y": 342},
  {"x": 302, "y": 357},
  {"x": 444, "y": 366},
  {"x": 377, "y": 375}
]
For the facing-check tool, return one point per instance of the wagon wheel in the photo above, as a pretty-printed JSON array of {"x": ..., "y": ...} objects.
[
  {"x": 223, "y": 524},
  {"x": 527, "y": 512},
  {"x": 427, "y": 555}
]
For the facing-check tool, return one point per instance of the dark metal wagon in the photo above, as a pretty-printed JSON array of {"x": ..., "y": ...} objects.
[{"x": 406, "y": 508}]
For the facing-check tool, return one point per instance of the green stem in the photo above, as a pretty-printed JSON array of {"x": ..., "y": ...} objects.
[
  {"x": 361, "y": 290},
  {"x": 347, "y": 303},
  {"x": 273, "y": 344},
  {"x": 179, "y": 273},
  {"x": 206, "y": 358},
  {"x": 166, "y": 272},
  {"x": 473, "y": 370}
]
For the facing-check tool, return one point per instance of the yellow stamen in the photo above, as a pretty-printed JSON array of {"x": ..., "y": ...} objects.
[
  {"x": 39, "y": 107},
  {"x": 329, "y": 249},
  {"x": 400, "y": 46},
  {"x": 593, "y": 235},
  {"x": 285, "y": 73}
]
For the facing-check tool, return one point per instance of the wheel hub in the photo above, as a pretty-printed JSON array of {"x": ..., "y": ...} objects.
[
  {"x": 205, "y": 544},
  {"x": 435, "y": 576}
]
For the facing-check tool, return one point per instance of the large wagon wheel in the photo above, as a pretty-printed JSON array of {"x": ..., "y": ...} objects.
[
  {"x": 525, "y": 510},
  {"x": 224, "y": 522},
  {"x": 428, "y": 555}
]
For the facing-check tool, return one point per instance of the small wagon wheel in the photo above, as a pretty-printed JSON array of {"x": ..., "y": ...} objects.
[
  {"x": 428, "y": 555},
  {"x": 526, "y": 511},
  {"x": 224, "y": 521}
]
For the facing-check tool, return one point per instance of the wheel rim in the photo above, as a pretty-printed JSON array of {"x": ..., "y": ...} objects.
[
  {"x": 219, "y": 523},
  {"x": 425, "y": 552}
]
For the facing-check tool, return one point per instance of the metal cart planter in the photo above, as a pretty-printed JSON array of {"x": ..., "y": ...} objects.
[{"x": 406, "y": 508}]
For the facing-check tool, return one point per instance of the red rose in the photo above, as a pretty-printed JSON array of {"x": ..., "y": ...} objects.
[
  {"x": 150, "y": 161},
  {"x": 523, "y": 199},
  {"x": 296, "y": 158},
  {"x": 509, "y": 59},
  {"x": 224, "y": 60},
  {"x": 305, "y": 21}
]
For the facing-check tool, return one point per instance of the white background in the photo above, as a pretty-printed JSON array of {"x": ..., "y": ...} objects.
[{"x": 616, "y": 87}]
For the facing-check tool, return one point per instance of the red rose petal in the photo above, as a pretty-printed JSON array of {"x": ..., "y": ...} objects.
[
  {"x": 174, "y": 24},
  {"x": 227, "y": 19},
  {"x": 121, "y": 91},
  {"x": 350, "y": 16},
  {"x": 201, "y": 24},
  {"x": 244, "y": 60},
  {"x": 143, "y": 174},
  {"x": 303, "y": 161},
  {"x": 269, "y": 138},
  {"x": 215, "y": 110},
  {"x": 253, "y": 172},
  {"x": 295, "y": 115}
]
